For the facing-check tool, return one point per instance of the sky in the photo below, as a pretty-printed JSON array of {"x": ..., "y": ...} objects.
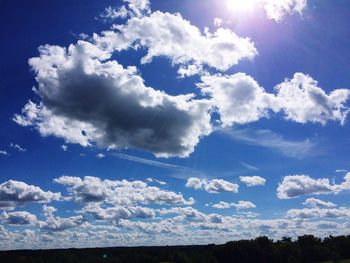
[{"x": 149, "y": 122}]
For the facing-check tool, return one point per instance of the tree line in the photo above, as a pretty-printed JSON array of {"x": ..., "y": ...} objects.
[{"x": 307, "y": 248}]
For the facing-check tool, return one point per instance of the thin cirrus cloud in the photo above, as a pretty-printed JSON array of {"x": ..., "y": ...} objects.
[
  {"x": 272, "y": 140},
  {"x": 181, "y": 172}
]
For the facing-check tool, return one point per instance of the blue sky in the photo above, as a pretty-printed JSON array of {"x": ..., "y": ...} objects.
[{"x": 143, "y": 122}]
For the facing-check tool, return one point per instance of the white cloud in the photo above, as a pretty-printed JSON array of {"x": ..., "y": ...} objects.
[
  {"x": 238, "y": 98},
  {"x": 341, "y": 171},
  {"x": 18, "y": 218},
  {"x": 14, "y": 193},
  {"x": 318, "y": 212},
  {"x": 252, "y": 180},
  {"x": 212, "y": 186},
  {"x": 110, "y": 13},
  {"x": 314, "y": 202},
  {"x": 151, "y": 180},
  {"x": 118, "y": 212},
  {"x": 61, "y": 224},
  {"x": 274, "y": 9},
  {"x": 153, "y": 228},
  {"x": 100, "y": 156},
  {"x": 171, "y": 36},
  {"x": 293, "y": 186},
  {"x": 217, "y": 22},
  {"x": 277, "y": 9},
  {"x": 249, "y": 166},
  {"x": 133, "y": 8},
  {"x": 238, "y": 206},
  {"x": 53, "y": 223},
  {"x": 303, "y": 101},
  {"x": 17, "y": 147},
  {"x": 3, "y": 152},
  {"x": 118, "y": 114},
  {"x": 93, "y": 189},
  {"x": 64, "y": 147}
]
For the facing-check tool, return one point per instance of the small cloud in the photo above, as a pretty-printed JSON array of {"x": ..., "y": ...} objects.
[
  {"x": 17, "y": 147},
  {"x": 217, "y": 22},
  {"x": 252, "y": 180},
  {"x": 212, "y": 186},
  {"x": 249, "y": 167},
  {"x": 238, "y": 206},
  {"x": 341, "y": 171},
  {"x": 4, "y": 152},
  {"x": 64, "y": 147},
  {"x": 151, "y": 180},
  {"x": 100, "y": 156}
]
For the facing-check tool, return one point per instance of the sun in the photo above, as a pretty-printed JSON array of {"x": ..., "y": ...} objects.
[{"x": 242, "y": 5}]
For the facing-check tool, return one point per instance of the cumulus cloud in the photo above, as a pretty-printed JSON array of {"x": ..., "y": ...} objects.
[
  {"x": 116, "y": 116},
  {"x": 314, "y": 202},
  {"x": 132, "y": 8},
  {"x": 150, "y": 228},
  {"x": 55, "y": 224},
  {"x": 277, "y": 9},
  {"x": 171, "y": 36},
  {"x": 302, "y": 100},
  {"x": 274, "y": 9},
  {"x": 14, "y": 193},
  {"x": 238, "y": 98},
  {"x": 93, "y": 189},
  {"x": 252, "y": 180},
  {"x": 118, "y": 212},
  {"x": 293, "y": 186},
  {"x": 239, "y": 205},
  {"x": 61, "y": 224},
  {"x": 318, "y": 212},
  {"x": 212, "y": 186},
  {"x": 18, "y": 218}
]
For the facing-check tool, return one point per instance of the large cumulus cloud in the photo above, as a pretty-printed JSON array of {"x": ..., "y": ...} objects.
[{"x": 87, "y": 101}]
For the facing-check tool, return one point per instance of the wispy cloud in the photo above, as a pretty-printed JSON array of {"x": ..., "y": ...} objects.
[
  {"x": 341, "y": 171},
  {"x": 181, "y": 172},
  {"x": 249, "y": 167},
  {"x": 3, "y": 152},
  {"x": 269, "y": 139},
  {"x": 17, "y": 147}
]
